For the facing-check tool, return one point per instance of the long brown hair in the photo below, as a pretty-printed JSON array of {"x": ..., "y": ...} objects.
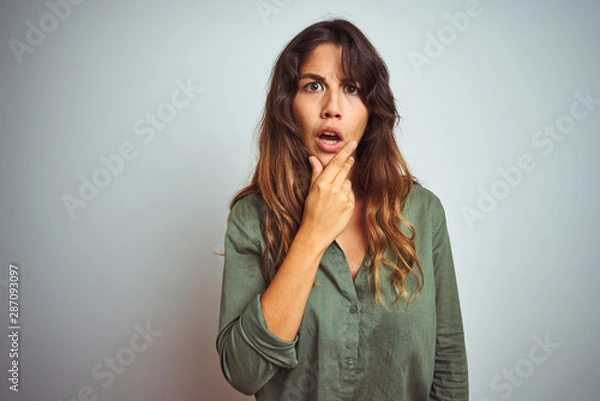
[{"x": 283, "y": 172}]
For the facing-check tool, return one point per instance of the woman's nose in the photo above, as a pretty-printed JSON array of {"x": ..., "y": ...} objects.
[{"x": 332, "y": 107}]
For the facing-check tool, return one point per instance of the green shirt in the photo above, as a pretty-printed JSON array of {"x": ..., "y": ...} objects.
[{"x": 348, "y": 347}]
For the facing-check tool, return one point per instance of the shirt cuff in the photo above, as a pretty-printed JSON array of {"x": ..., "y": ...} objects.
[{"x": 253, "y": 327}]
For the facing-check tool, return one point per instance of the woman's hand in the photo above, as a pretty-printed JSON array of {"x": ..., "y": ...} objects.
[
  {"x": 327, "y": 211},
  {"x": 330, "y": 200}
]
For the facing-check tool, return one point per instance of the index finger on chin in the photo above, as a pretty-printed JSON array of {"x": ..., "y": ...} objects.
[{"x": 339, "y": 160}]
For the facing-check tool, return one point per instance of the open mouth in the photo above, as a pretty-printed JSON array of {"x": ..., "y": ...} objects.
[{"x": 330, "y": 138}]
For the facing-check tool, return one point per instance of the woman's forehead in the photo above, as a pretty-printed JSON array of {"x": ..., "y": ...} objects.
[
  {"x": 326, "y": 61},
  {"x": 325, "y": 53}
]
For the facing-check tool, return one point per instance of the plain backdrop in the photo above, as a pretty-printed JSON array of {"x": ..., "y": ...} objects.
[{"x": 119, "y": 286}]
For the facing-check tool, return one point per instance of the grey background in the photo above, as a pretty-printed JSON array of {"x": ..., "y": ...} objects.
[{"x": 141, "y": 251}]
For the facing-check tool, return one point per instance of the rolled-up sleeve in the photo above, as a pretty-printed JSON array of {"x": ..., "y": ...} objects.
[
  {"x": 450, "y": 381},
  {"x": 249, "y": 353}
]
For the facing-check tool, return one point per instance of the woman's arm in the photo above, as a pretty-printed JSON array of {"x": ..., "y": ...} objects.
[
  {"x": 327, "y": 211},
  {"x": 258, "y": 325},
  {"x": 450, "y": 381},
  {"x": 249, "y": 354}
]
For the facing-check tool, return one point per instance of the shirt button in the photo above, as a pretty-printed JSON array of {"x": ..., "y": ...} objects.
[
  {"x": 350, "y": 364},
  {"x": 353, "y": 309}
]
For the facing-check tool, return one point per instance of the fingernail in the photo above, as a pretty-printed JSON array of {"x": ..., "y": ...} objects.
[{"x": 353, "y": 144}]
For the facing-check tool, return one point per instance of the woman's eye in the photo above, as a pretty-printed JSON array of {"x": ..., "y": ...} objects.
[
  {"x": 313, "y": 86},
  {"x": 351, "y": 89}
]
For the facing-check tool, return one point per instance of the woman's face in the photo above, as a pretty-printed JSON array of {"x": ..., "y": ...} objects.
[{"x": 327, "y": 107}]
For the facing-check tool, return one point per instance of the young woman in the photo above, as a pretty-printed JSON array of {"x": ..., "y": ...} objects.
[{"x": 338, "y": 279}]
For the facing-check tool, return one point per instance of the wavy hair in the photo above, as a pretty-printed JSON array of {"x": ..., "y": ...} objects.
[{"x": 283, "y": 172}]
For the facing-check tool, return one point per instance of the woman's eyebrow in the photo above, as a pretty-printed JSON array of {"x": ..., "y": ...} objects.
[
  {"x": 310, "y": 75},
  {"x": 318, "y": 78},
  {"x": 349, "y": 81}
]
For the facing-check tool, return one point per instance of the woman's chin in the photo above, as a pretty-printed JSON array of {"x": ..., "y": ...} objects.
[{"x": 325, "y": 159}]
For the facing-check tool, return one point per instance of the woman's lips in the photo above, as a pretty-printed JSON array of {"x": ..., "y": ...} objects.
[
  {"x": 329, "y": 146},
  {"x": 330, "y": 139}
]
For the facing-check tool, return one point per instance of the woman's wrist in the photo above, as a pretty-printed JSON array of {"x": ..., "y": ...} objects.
[{"x": 310, "y": 242}]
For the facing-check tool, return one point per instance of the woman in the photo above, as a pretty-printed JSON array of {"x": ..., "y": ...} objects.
[{"x": 338, "y": 278}]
